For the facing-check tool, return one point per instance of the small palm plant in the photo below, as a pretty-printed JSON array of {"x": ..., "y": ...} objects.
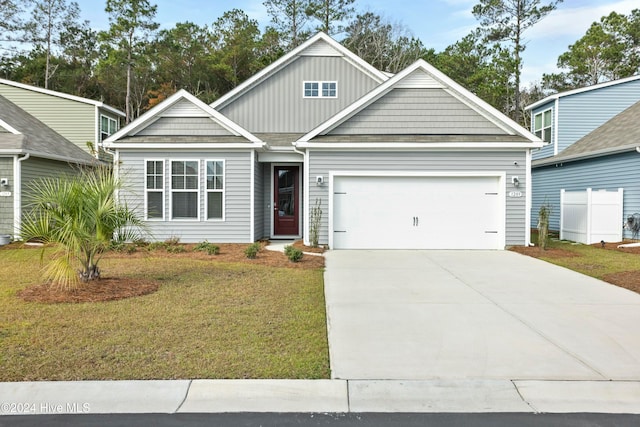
[{"x": 81, "y": 216}]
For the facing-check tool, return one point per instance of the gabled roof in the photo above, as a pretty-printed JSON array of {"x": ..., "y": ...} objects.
[
  {"x": 164, "y": 109},
  {"x": 319, "y": 45},
  {"x": 423, "y": 75},
  {"x": 28, "y": 135},
  {"x": 62, "y": 95},
  {"x": 619, "y": 134},
  {"x": 581, "y": 90}
]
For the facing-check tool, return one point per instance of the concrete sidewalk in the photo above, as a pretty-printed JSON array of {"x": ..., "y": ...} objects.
[{"x": 322, "y": 396}]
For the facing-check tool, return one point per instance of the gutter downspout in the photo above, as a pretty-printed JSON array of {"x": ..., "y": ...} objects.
[
  {"x": 305, "y": 189},
  {"x": 17, "y": 194}
]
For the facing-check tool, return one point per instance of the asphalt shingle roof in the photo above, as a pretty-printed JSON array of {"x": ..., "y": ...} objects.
[
  {"x": 35, "y": 137},
  {"x": 620, "y": 133}
]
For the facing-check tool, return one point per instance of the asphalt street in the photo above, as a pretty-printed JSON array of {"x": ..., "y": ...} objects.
[{"x": 339, "y": 420}]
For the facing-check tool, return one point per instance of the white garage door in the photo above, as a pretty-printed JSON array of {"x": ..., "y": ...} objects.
[{"x": 409, "y": 212}]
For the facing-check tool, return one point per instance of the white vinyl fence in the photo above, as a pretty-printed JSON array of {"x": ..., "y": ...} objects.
[{"x": 591, "y": 216}]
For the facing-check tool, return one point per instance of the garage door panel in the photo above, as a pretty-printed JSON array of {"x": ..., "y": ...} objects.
[{"x": 416, "y": 212}]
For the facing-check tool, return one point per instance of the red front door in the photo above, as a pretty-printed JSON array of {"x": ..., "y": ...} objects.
[{"x": 286, "y": 201}]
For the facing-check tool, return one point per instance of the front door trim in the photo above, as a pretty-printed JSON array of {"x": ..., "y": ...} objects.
[{"x": 273, "y": 202}]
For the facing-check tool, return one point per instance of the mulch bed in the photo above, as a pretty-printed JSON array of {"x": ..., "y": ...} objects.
[
  {"x": 103, "y": 289},
  {"x": 232, "y": 252},
  {"x": 626, "y": 279},
  {"x": 110, "y": 289}
]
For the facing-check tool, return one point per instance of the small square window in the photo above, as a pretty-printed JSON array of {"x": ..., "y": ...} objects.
[
  {"x": 329, "y": 89},
  {"x": 320, "y": 89},
  {"x": 311, "y": 89}
]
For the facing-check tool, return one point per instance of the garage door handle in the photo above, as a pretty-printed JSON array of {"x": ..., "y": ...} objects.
[{"x": 416, "y": 221}]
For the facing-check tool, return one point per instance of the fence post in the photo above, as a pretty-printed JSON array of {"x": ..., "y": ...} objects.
[
  {"x": 562, "y": 214},
  {"x": 589, "y": 218}
]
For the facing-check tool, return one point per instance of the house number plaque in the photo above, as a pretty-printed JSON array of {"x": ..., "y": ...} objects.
[
  {"x": 5, "y": 193},
  {"x": 515, "y": 193}
]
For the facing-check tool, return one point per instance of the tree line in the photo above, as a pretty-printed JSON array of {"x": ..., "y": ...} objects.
[{"x": 134, "y": 65}]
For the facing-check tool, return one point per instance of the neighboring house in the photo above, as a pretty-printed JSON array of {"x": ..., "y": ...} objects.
[
  {"x": 589, "y": 136},
  {"x": 405, "y": 161},
  {"x": 29, "y": 150},
  {"x": 82, "y": 121}
]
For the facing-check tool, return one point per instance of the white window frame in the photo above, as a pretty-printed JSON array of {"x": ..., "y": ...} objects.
[
  {"x": 197, "y": 190},
  {"x": 153, "y": 190},
  {"x": 542, "y": 129},
  {"x": 319, "y": 83},
  {"x": 108, "y": 133},
  {"x": 207, "y": 190}
]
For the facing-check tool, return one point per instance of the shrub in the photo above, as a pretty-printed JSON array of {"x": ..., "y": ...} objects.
[
  {"x": 176, "y": 249},
  {"x": 156, "y": 245},
  {"x": 294, "y": 254},
  {"x": 207, "y": 247},
  {"x": 252, "y": 250},
  {"x": 314, "y": 227}
]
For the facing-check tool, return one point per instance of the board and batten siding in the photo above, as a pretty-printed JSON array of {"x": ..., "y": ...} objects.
[
  {"x": 604, "y": 173},
  {"x": 277, "y": 104},
  {"x": 6, "y": 202},
  {"x": 237, "y": 223},
  {"x": 74, "y": 120},
  {"x": 418, "y": 111},
  {"x": 323, "y": 162}
]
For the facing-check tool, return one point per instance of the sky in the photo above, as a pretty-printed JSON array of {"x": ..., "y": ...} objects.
[{"x": 438, "y": 23}]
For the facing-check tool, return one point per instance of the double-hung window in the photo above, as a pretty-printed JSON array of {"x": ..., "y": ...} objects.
[
  {"x": 185, "y": 188},
  {"x": 215, "y": 189},
  {"x": 542, "y": 125},
  {"x": 320, "y": 89},
  {"x": 108, "y": 127},
  {"x": 154, "y": 189}
]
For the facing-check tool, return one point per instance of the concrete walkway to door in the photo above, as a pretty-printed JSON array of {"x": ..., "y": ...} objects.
[{"x": 475, "y": 315}]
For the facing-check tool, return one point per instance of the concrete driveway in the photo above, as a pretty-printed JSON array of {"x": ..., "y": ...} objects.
[{"x": 475, "y": 315}]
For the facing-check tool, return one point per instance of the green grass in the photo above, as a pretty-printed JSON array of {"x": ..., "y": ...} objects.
[
  {"x": 208, "y": 320},
  {"x": 591, "y": 260}
]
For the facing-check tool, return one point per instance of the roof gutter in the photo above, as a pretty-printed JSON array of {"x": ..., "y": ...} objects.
[{"x": 591, "y": 155}]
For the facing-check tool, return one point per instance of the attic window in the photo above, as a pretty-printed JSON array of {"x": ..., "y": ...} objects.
[
  {"x": 542, "y": 125},
  {"x": 320, "y": 89}
]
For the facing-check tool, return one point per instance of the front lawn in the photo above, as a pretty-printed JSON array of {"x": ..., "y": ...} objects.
[
  {"x": 210, "y": 318},
  {"x": 619, "y": 266}
]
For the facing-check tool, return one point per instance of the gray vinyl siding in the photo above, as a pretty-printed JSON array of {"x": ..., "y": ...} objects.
[
  {"x": 74, "y": 120},
  {"x": 418, "y": 111},
  {"x": 6, "y": 203},
  {"x": 237, "y": 224},
  {"x": 260, "y": 204},
  {"x": 604, "y": 173},
  {"x": 323, "y": 162},
  {"x": 548, "y": 149},
  {"x": 266, "y": 197},
  {"x": 34, "y": 169},
  {"x": 184, "y": 126},
  {"x": 277, "y": 104}
]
